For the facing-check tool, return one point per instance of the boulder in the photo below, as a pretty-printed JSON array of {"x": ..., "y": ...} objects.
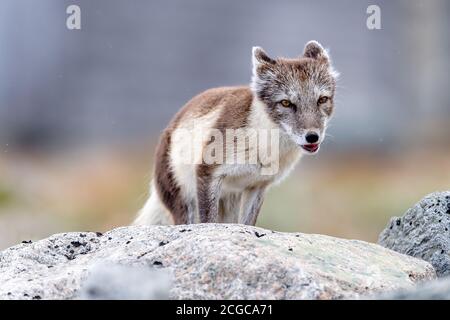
[
  {"x": 423, "y": 232},
  {"x": 203, "y": 261}
]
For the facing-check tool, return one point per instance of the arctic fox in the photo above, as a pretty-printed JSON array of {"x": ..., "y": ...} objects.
[{"x": 201, "y": 175}]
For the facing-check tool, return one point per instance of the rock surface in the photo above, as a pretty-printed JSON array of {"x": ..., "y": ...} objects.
[
  {"x": 210, "y": 261},
  {"x": 423, "y": 232}
]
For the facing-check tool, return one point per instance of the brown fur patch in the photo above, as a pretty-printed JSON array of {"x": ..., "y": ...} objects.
[
  {"x": 166, "y": 185},
  {"x": 207, "y": 201},
  {"x": 236, "y": 109}
]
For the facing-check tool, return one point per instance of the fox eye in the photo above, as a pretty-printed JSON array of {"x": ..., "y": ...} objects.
[
  {"x": 285, "y": 103},
  {"x": 322, "y": 100}
]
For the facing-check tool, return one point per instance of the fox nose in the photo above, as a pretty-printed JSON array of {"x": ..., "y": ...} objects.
[{"x": 312, "y": 137}]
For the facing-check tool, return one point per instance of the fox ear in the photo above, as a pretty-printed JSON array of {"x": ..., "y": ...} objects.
[
  {"x": 314, "y": 50},
  {"x": 260, "y": 57}
]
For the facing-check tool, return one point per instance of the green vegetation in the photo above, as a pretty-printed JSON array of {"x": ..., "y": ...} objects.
[{"x": 6, "y": 197}]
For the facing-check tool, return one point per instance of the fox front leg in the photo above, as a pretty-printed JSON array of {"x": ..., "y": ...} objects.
[
  {"x": 229, "y": 206},
  {"x": 208, "y": 195},
  {"x": 251, "y": 202}
]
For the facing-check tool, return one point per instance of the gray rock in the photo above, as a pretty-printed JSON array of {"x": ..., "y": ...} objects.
[
  {"x": 211, "y": 261},
  {"x": 423, "y": 232}
]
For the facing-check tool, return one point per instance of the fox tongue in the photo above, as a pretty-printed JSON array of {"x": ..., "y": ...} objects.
[{"x": 311, "y": 147}]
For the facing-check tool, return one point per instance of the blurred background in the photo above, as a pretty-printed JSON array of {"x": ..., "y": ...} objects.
[{"x": 81, "y": 110}]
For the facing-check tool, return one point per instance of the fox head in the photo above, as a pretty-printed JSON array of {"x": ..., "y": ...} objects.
[{"x": 297, "y": 93}]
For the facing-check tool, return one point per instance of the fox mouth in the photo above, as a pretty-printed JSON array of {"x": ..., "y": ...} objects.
[{"x": 311, "y": 148}]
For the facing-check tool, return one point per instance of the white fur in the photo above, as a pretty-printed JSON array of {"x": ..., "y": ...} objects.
[
  {"x": 240, "y": 177},
  {"x": 185, "y": 171},
  {"x": 154, "y": 212}
]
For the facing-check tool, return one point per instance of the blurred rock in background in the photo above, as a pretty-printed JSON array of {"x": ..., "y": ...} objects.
[{"x": 107, "y": 281}]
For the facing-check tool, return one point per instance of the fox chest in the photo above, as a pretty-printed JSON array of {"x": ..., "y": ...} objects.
[{"x": 238, "y": 178}]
